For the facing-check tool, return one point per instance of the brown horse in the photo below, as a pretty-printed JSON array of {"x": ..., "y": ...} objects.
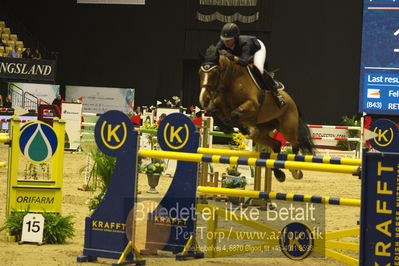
[{"x": 230, "y": 94}]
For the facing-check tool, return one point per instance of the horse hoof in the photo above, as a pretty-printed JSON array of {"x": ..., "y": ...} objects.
[
  {"x": 297, "y": 174},
  {"x": 235, "y": 116},
  {"x": 243, "y": 130},
  {"x": 227, "y": 130},
  {"x": 280, "y": 176}
]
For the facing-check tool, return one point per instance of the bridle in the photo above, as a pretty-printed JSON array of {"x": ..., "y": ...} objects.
[{"x": 206, "y": 68}]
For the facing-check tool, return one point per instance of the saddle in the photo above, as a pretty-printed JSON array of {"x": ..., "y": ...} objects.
[{"x": 260, "y": 80}]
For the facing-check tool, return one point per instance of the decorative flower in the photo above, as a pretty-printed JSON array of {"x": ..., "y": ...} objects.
[
  {"x": 176, "y": 99},
  {"x": 153, "y": 168},
  {"x": 238, "y": 140},
  {"x": 147, "y": 125},
  {"x": 172, "y": 103}
]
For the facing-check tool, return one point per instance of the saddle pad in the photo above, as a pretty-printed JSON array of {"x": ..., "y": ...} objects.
[{"x": 258, "y": 78}]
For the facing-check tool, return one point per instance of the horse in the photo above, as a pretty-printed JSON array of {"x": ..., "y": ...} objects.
[{"x": 230, "y": 93}]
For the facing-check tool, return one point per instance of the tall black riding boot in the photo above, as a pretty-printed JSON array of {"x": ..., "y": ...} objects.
[{"x": 273, "y": 87}]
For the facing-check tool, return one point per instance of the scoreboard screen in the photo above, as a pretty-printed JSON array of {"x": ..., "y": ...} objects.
[{"x": 379, "y": 73}]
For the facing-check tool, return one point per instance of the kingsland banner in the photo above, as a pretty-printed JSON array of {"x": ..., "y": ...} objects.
[{"x": 29, "y": 69}]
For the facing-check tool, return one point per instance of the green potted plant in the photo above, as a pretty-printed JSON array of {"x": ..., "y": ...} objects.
[
  {"x": 153, "y": 170},
  {"x": 349, "y": 145},
  {"x": 101, "y": 172},
  {"x": 236, "y": 181},
  {"x": 57, "y": 228},
  {"x": 233, "y": 171}
]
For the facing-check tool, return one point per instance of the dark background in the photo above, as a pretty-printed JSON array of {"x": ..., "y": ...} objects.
[{"x": 154, "y": 48}]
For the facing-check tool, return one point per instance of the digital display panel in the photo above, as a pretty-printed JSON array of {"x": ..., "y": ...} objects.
[
  {"x": 4, "y": 125},
  {"x": 379, "y": 73}
]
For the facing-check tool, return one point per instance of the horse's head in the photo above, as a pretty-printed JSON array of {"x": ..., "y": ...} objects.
[
  {"x": 209, "y": 80},
  {"x": 209, "y": 76},
  {"x": 216, "y": 74}
]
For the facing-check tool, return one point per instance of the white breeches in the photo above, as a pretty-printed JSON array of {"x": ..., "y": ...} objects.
[{"x": 260, "y": 57}]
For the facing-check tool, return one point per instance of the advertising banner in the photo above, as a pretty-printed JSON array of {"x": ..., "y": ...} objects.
[
  {"x": 46, "y": 92},
  {"x": 18, "y": 68},
  {"x": 101, "y": 99},
  {"x": 380, "y": 211},
  {"x": 24, "y": 118},
  {"x": 328, "y": 133},
  {"x": 379, "y": 225},
  {"x": 72, "y": 114}
]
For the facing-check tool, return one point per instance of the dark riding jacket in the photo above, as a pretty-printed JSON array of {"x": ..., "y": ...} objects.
[{"x": 244, "y": 47}]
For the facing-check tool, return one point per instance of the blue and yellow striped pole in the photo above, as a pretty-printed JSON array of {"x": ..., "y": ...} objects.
[
  {"x": 278, "y": 196},
  {"x": 269, "y": 163},
  {"x": 282, "y": 156}
]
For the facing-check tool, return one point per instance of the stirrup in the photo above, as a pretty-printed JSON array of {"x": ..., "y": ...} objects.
[{"x": 278, "y": 84}]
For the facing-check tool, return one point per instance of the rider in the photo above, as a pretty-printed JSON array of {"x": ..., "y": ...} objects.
[{"x": 243, "y": 47}]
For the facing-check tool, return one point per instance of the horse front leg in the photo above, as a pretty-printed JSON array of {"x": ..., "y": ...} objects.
[
  {"x": 224, "y": 125},
  {"x": 221, "y": 119},
  {"x": 245, "y": 114}
]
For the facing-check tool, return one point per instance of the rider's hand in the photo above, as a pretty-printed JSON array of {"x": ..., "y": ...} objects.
[
  {"x": 230, "y": 56},
  {"x": 242, "y": 62}
]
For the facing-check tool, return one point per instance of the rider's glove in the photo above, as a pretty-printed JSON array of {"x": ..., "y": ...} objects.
[
  {"x": 230, "y": 56},
  {"x": 242, "y": 62}
]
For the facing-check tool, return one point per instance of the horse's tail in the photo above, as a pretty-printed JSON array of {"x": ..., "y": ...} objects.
[{"x": 305, "y": 141}]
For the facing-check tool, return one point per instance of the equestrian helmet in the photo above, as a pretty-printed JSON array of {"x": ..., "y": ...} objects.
[{"x": 229, "y": 31}]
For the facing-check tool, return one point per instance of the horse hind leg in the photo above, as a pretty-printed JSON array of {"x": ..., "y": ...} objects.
[
  {"x": 296, "y": 174},
  {"x": 261, "y": 136},
  {"x": 290, "y": 133},
  {"x": 303, "y": 142}
]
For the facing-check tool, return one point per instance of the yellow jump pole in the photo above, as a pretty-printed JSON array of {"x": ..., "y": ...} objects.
[
  {"x": 4, "y": 137},
  {"x": 279, "y": 196},
  {"x": 282, "y": 156},
  {"x": 269, "y": 163}
]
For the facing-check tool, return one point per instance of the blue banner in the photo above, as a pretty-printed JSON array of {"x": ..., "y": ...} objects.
[
  {"x": 380, "y": 209},
  {"x": 379, "y": 80}
]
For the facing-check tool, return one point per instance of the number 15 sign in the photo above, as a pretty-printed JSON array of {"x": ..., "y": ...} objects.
[{"x": 32, "y": 228}]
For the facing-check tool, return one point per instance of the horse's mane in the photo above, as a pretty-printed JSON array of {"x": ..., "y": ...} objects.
[
  {"x": 223, "y": 58},
  {"x": 232, "y": 68}
]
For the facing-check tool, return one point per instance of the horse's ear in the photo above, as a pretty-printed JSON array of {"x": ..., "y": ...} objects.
[{"x": 217, "y": 54}]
